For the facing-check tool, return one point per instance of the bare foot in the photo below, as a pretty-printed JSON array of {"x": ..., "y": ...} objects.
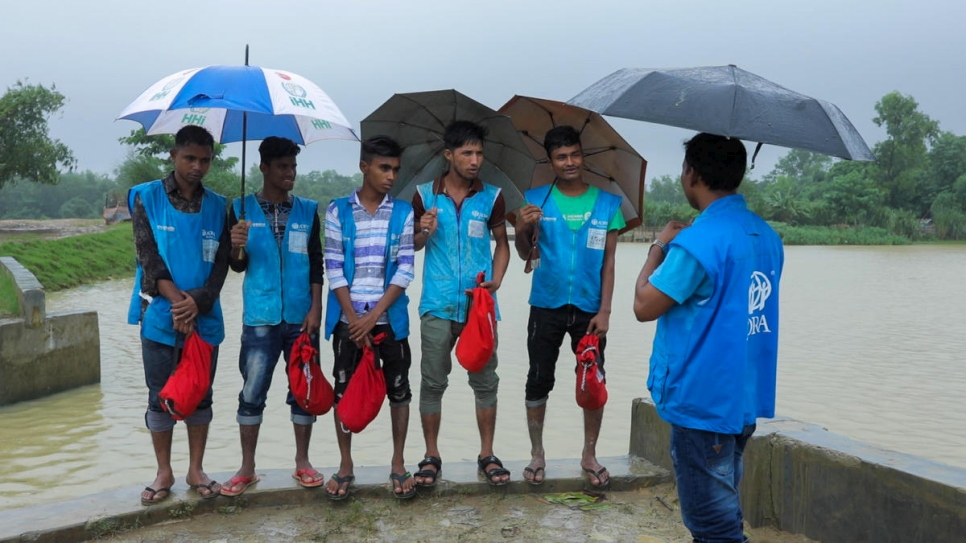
[
  {"x": 338, "y": 485},
  {"x": 535, "y": 473},
  {"x": 598, "y": 474},
  {"x": 158, "y": 490},
  {"x": 204, "y": 485}
]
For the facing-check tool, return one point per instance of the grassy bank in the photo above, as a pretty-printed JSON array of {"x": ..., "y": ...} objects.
[
  {"x": 9, "y": 304},
  {"x": 76, "y": 260},
  {"x": 831, "y": 235}
]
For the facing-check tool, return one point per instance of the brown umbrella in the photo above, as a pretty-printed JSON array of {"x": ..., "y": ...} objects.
[{"x": 610, "y": 163}]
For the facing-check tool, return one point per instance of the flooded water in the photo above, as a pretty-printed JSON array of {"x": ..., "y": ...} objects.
[{"x": 872, "y": 347}]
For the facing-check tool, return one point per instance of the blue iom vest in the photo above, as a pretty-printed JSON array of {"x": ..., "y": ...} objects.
[
  {"x": 276, "y": 287},
  {"x": 398, "y": 312},
  {"x": 187, "y": 243},
  {"x": 713, "y": 364},
  {"x": 570, "y": 261},
  {"x": 456, "y": 252}
]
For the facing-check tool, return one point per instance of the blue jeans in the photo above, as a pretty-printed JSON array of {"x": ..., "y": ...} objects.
[
  {"x": 159, "y": 363},
  {"x": 708, "y": 468},
  {"x": 260, "y": 349}
]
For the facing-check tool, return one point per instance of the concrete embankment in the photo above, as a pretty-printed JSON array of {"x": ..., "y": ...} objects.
[
  {"x": 800, "y": 478},
  {"x": 41, "y": 353}
]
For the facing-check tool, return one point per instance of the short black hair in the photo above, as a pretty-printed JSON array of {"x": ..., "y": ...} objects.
[
  {"x": 274, "y": 147},
  {"x": 560, "y": 136},
  {"x": 192, "y": 134},
  {"x": 460, "y": 133},
  {"x": 720, "y": 161},
  {"x": 383, "y": 146}
]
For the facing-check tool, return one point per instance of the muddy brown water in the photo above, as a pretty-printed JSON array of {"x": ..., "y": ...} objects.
[{"x": 872, "y": 347}]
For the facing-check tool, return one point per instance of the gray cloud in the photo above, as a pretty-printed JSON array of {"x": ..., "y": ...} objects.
[{"x": 102, "y": 54}]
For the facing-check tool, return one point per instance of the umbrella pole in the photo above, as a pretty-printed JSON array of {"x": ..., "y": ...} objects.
[{"x": 241, "y": 218}]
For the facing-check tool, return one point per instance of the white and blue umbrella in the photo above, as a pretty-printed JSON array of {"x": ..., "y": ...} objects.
[{"x": 223, "y": 99}]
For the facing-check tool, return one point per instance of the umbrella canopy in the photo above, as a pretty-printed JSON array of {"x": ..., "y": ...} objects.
[
  {"x": 727, "y": 101},
  {"x": 610, "y": 163},
  {"x": 418, "y": 120},
  {"x": 223, "y": 99}
]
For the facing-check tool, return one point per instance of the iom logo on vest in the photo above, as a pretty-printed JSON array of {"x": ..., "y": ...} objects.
[{"x": 758, "y": 293}]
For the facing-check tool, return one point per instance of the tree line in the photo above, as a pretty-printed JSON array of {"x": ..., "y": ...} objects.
[{"x": 916, "y": 188}]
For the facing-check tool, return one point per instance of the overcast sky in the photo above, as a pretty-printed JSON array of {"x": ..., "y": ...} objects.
[{"x": 102, "y": 54}]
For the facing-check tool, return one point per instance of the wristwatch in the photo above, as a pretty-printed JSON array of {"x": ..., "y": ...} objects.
[{"x": 662, "y": 244}]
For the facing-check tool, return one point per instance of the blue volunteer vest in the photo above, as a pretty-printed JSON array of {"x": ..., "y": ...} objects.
[
  {"x": 187, "y": 243},
  {"x": 456, "y": 252},
  {"x": 570, "y": 261},
  {"x": 713, "y": 364},
  {"x": 398, "y": 312},
  {"x": 276, "y": 287}
]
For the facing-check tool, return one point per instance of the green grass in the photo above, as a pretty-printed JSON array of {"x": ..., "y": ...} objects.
[
  {"x": 76, "y": 260},
  {"x": 9, "y": 300},
  {"x": 832, "y": 235}
]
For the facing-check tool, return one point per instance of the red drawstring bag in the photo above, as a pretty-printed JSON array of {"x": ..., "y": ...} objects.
[
  {"x": 310, "y": 388},
  {"x": 591, "y": 387},
  {"x": 478, "y": 338},
  {"x": 365, "y": 393},
  {"x": 191, "y": 379}
]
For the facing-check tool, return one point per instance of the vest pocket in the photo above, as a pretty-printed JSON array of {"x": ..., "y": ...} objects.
[{"x": 657, "y": 382}]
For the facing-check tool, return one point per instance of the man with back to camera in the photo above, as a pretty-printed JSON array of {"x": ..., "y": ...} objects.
[{"x": 713, "y": 288}]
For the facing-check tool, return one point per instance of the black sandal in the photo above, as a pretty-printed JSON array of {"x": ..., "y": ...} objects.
[
  {"x": 428, "y": 473},
  {"x": 495, "y": 472}
]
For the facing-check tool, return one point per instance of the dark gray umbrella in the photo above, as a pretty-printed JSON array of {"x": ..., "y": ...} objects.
[
  {"x": 417, "y": 121},
  {"x": 727, "y": 101},
  {"x": 610, "y": 163}
]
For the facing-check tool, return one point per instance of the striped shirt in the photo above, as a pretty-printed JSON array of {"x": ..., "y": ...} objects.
[{"x": 369, "y": 252}]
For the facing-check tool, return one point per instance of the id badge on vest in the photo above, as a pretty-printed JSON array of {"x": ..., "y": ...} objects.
[
  {"x": 477, "y": 229},
  {"x": 209, "y": 245},
  {"x": 596, "y": 238}
]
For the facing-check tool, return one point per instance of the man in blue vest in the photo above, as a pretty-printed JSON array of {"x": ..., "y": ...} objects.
[
  {"x": 369, "y": 258},
  {"x": 182, "y": 259},
  {"x": 573, "y": 285},
  {"x": 456, "y": 215},
  {"x": 713, "y": 288},
  {"x": 280, "y": 250}
]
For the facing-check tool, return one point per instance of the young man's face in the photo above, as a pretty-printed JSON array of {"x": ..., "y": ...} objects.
[
  {"x": 280, "y": 173},
  {"x": 467, "y": 160},
  {"x": 380, "y": 173},
  {"x": 567, "y": 162},
  {"x": 191, "y": 162}
]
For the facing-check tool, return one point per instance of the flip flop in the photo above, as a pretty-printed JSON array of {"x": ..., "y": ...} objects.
[
  {"x": 245, "y": 482},
  {"x": 211, "y": 493},
  {"x": 495, "y": 472},
  {"x": 428, "y": 473},
  {"x": 401, "y": 478},
  {"x": 300, "y": 474},
  {"x": 347, "y": 480},
  {"x": 597, "y": 474},
  {"x": 154, "y": 495},
  {"x": 533, "y": 475}
]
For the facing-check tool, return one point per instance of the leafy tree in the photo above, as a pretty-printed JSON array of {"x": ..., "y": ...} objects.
[
  {"x": 26, "y": 150},
  {"x": 947, "y": 162},
  {"x": 801, "y": 166},
  {"x": 40, "y": 201},
  {"x": 948, "y": 216},
  {"x": 853, "y": 199},
  {"x": 902, "y": 157},
  {"x": 666, "y": 189}
]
